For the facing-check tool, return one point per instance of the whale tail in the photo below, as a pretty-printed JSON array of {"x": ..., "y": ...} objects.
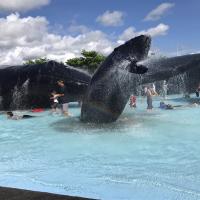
[
  {"x": 126, "y": 57},
  {"x": 109, "y": 91},
  {"x": 135, "y": 49}
]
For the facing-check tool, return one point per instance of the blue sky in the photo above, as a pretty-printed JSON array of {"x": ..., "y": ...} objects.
[{"x": 44, "y": 27}]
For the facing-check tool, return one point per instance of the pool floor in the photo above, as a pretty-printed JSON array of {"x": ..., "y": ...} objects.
[{"x": 144, "y": 155}]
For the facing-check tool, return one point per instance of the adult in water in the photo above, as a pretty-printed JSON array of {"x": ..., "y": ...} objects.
[
  {"x": 149, "y": 95},
  {"x": 62, "y": 98},
  {"x": 10, "y": 115},
  {"x": 165, "y": 106},
  {"x": 164, "y": 89}
]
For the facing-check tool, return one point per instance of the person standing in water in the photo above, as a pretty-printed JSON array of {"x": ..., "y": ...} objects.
[
  {"x": 148, "y": 92},
  {"x": 153, "y": 90},
  {"x": 54, "y": 100},
  {"x": 62, "y": 97},
  {"x": 164, "y": 89},
  {"x": 132, "y": 101}
]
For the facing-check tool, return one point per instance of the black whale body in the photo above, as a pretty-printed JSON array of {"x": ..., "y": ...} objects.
[
  {"x": 109, "y": 90},
  {"x": 31, "y": 85},
  {"x": 165, "y": 68},
  {"x": 181, "y": 72}
]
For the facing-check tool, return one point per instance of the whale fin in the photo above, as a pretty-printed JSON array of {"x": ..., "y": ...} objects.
[
  {"x": 109, "y": 90},
  {"x": 135, "y": 49},
  {"x": 125, "y": 57}
]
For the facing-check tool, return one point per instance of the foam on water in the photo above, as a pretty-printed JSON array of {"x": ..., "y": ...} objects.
[{"x": 153, "y": 155}]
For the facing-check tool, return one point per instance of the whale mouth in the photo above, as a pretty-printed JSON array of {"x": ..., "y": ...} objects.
[
  {"x": 141, "y": 69},
  {"x": 135, "y": 51},
  {"x": 137, "y": 68}
]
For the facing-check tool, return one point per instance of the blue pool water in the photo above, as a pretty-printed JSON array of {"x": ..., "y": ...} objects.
[{"x": 153, "y": 155}]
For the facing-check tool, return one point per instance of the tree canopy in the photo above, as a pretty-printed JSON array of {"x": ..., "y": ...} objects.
[
  {"x": 36, "y": 61},
  {"x": 89, "y": 60}
]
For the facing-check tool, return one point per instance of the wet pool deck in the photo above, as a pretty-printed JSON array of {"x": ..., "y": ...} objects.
[{"x": 20, "y": 194}]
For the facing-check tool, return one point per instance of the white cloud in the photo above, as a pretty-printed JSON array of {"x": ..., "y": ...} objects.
[
  {"x": 161, "y": 29},
  {"x": 131, "y": 32},
  {"x": 159, "y": 11},
  {"x": 76, "y": 28},
  {"x": 110, "y": 18},
  {"x": 127, "y": 34},
  {"x": 27, "y": 38},
  {"x": 22, "y": 5}
]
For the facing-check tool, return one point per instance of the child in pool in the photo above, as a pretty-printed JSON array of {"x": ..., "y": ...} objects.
[
  {"x": 10, "y": 115},
  {"x": 55, "y": 103},
  {"x": 132, "y": 101},
  {"x": 166, "y": 106}
]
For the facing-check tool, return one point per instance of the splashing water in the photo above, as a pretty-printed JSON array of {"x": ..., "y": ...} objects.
[
  {"x": 177, "y": 84},
  {"x": 19, "y": 96}
]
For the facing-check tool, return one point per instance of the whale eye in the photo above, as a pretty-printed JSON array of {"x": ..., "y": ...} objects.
[{"x": 141, "y": 69}]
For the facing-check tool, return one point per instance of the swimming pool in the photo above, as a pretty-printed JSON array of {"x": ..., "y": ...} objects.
[{"x": 153, "y": 155}]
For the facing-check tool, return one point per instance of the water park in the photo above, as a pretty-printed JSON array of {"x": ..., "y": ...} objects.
[{"x": 126, "y": 130}]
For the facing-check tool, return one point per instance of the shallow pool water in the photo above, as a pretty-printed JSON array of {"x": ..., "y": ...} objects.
[{"x": 144, "y": 155}]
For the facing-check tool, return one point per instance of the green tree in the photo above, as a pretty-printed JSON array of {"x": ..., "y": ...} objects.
[
  {"x": 89, "y": 60},
  {"x": 36, "y": 61}
]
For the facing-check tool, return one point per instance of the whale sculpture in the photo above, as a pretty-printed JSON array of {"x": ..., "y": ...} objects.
[
  {"x": 128, "y": 67},
  {"x": 27, "y": 86},
  {"x": 106, "y": 93},
  {"x": 165, "y": 68}
]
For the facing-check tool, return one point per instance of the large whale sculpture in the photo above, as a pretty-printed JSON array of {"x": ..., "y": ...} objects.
[
  {"x": 109, "y": 90},
  {"x": 26, "y": 86}
]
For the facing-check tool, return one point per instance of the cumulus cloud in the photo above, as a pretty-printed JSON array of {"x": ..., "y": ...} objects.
[
  {"x": 76, "y": 28},
  {"x": 22, "y": 39},
  {"x": 159, "y": 11},
  {"x": 131, "y": 32},
  {"x": 21, "y": 5},
  {"x": 27, "y": 38},
  {"x": 111, "y": 18},
  {"x": 161, "y": 29}
]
